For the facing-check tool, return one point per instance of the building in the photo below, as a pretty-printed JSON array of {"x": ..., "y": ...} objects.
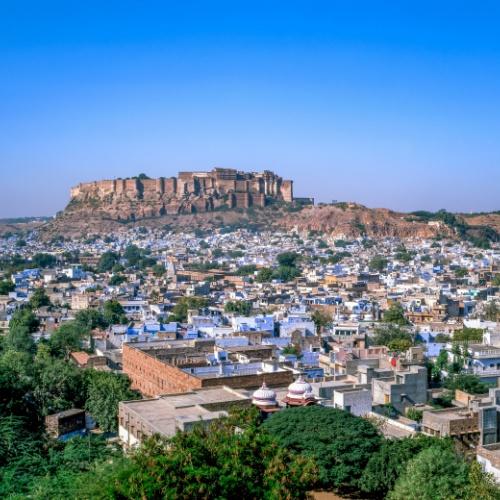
[
  {"x": 157, "y": 368},
  {"x": 167, "y": 414},
  {"x": 355, "y": 400},
  {"x": 66, "y": 424},
  {"x": 402, "y": 389}
]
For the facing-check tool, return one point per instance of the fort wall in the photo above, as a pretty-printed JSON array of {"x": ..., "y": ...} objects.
[{"x": 190, "y": 192}]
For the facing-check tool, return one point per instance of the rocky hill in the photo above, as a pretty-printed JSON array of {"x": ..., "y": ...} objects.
[{"x": 227, "y": 197}]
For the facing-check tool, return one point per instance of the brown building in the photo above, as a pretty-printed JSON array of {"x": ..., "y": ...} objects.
[{"x": 157, "y": 368}]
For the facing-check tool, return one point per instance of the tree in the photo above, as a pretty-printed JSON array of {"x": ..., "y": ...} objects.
[
  {"x": 91, "y": 319},
  {"x": 216, "y": 463},
  {"x": 241, "y": 307},
  {"x": 68, "y": 337},
  {"x": 265, "y": 275},
  {"x": 286, "y": 273},
  {"x": 43, "y": 260},
  {"x": 320, "y": 320},
  {"x": 339, "y": 442},
  {"x": 39, "y": 298},
  {"x": 24, "y": 317},
  {"x": 133, "y": 255},
  {"x": 482, "y": 485},
  {"x": 466, "y": 382},
  {"x": 105, "y": 390},
  {"x": 6, "y": 287},
  {"x": 20, "y": 339},
  {"x": 390, "y": 461},
  {"x": 491, "y": 311},
  {"x": 246, "y": 270},
  {"x": 158, "y": 270},
  {"x": 107, "y": 261},
  {"x": 468, "y": 335},
  {"x": 435, "y": 473},
  {"x": 395, "y": 314},
  {"x": 117, "y": 279},
  {"x": 58, "y": 385},
  {"x": 180, "y": 310},
  {"x": 394, "y": 337},
  {"x": 288, "y": 259},
  {"x": 378, "y": 263},
  {"x": 113, "y": 313}
]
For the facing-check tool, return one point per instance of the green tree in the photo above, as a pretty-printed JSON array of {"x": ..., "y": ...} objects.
[
  {"x": 105, "y": 390},
  {"x": 265, "y": 275},
  {"x": 58, "y": 386},
  {"x": 20, "y": 339},
  {"x": 468, "y": 335},
  {"x": 39, "y": 298},
  {"x": 16, "y": 383},
  {"x": 246, "y": 270},
  {"x": 241, "y": 307},
  {"x": 117, "y": 279},
  {"x": 378, "y": 263},
  {"x": 133, "y": 255},
  {"x": 491, "y": 311},
  {"x": 390, "y": 461},
  {"x": 320, "y": 320},
  {"x": 113, "y": 313},
  {"x": 158, "y": 270},
  {"x": 339, "y": 442},
  {"x": 24, "y": 317},
  {"x": 217, "y": 463},
  {"x": 286, "y": 273},
  {"x": 481, "y": 484},
  {"x": 67, "y": 338},
  {"x": 43, "y": 260},
  {"x": 395, "y": 314},
  {"x": 91, "y": 319},
  {"x": 107, "y": 261},
  {"x": 466, "y": 382},
  {"x": 288, "y": 259},
  {"x": 6, "y": 287},
  {"x": 394, "y": 337},
  {"x": 434, "y": 474},
  {"x": 180, "y": 310}
]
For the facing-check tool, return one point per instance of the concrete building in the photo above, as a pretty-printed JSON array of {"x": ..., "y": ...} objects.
[
  {"x": 355, "y": 400},
  {"x": 402, "y": 389},
  {"x": 167, "y": 414}
]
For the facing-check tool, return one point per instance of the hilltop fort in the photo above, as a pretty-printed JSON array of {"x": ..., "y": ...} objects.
[{"x": 189, "y": 192}]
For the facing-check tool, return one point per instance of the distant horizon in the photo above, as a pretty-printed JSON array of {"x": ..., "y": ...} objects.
[{"x": 389, "y": 106}]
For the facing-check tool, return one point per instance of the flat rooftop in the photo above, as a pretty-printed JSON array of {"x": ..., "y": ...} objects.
[{"x": 161, "y": 413}]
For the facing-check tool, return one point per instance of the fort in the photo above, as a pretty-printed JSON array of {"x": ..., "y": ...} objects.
[{"x": 189, "y": 192}]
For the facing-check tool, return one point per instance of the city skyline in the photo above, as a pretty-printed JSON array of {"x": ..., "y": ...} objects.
[{"x": 386, "y": 107}]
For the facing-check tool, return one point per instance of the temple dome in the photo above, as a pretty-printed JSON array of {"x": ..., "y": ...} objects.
[
  {"x": 264, "y": 396},
  {"x": 299, "y": 389}
]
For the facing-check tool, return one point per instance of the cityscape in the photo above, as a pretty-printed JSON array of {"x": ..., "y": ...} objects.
[{"x": 239, "y": 327}]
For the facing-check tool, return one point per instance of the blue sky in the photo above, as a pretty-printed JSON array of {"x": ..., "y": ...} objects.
[{"x": 393, "y": 104}]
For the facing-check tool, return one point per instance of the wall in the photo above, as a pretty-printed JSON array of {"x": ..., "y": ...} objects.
[{"x": 153, "y": 377}]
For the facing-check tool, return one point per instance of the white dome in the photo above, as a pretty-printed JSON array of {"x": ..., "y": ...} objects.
[
  {"x": 264, "y": 396},
  {"x": 299, "y": 389}
]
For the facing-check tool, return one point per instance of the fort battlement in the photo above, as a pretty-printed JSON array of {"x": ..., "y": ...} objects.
[{"x": 189, "y": 192}]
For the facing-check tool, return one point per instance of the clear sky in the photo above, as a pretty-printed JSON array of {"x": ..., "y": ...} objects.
[{"x": 393, "y": 104}]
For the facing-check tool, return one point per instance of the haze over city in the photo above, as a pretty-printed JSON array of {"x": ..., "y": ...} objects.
[{"x": 382, "y": 106}]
